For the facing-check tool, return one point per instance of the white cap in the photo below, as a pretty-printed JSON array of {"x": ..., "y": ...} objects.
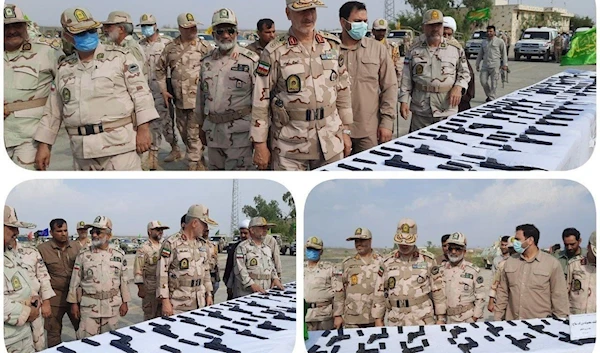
[
  {"x": 245, "y": 224},
  {"x": 450, "y": 23}
]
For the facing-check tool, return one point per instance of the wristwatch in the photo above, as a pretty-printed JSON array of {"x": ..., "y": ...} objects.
[{"x": 347, "y": 132}]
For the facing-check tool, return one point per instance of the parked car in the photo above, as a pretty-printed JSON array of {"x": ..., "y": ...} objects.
[
  {"x": 473, "y": 45},
  {"x": 402, "y": 37},
  {"x": 129, "y": 246},
  {"x": 283, "y": 247},
  {"x": 235, "y": 239},
  {"x": 293, "y": 248},
  {"x": 220, "y": 242},
  {"x": 536, "y": 42}
]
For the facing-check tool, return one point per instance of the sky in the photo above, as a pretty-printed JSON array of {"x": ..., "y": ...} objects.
[
  {"x": 131, "y": 204},
  {"x": 248, "y": 11},
  {"x": 483, "y": 210}
]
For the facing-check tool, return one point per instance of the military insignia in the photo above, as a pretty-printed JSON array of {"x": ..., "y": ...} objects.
[
  {"x": 144, "y": 17},
  {"x": 16, "y": 283},
  {"x": 421, "y": 280},
  {"x": 420, "y": 265},
  {"x": 165, "y": 252},
  {"x": 41, "y": 261},
  {"x": 133, "y": 68},
  {"x": 154, "y": 259},
  {"x": 381, "y": 22},
  {"x": 100, "y": 56},
  {"x": 419, "y": 69},
  {"x": 405, "y": 228},
  {"x": 327, "y": 56},
  {"x": 314, "y": 240},
  {"x": 27, "y": 46},
  {"x": 293, "y": 84},
  {"x": 576, "y": 285},
  {"x": 125, "y": 262},
  {"x": 98, "y": 219},
  {"x": 184, "y": 264},
  {"x": 358, "y": 231},
  {"x": 584, "y": 261},
  {"x": 292, "y": 41},
  {"x": 480, "y": 280},
  {"x": 263, "y": 68},
  {"x": 80, "y": 15},
  {"x": 116, "y": 259},
  {"x": 435, "y": 270},
  {"x": 189, "y": 17},
  {"x": 253, "y": 262},
  {"x": 380, "y": 272},
  {"x": 224, "y": 13},
  {"x": 467, "y": 275},
  {"x": 66, "y": 96},
  {"x": 466, "y": 288},
  {"x": 90, "y": 273},
  {"x": 443, "y": 45},
  {"x": 320, "y": 39},
  {"x": 9, "y": 12},
  {"x": 341, "y": 60},
  {"x": 391, "y": 283},
  {"x": 435, "y": 15},
  {"x": 354, "y": 279},
  {"x": 238, "y": 84}
]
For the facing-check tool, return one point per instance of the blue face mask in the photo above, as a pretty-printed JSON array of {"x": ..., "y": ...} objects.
[
  {"x": 147, "y": 31},
  {"x": 312, "y": 254},
  {"x": 86, "y": 41},
  {"x": 358, "y": 30},
  {"x": 518, "y": 246}
]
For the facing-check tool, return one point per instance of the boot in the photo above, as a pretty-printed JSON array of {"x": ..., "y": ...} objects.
[
  {"x": 153, "y": 160},
  {"x": 174, "y": 155}
]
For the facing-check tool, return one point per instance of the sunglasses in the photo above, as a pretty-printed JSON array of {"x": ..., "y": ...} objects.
[
  {"x": 96, "y": 231},
  {"x": 457, "y": 249},
  {"x": 221, "y": 31},
  {"x": 89, "y": 31}
]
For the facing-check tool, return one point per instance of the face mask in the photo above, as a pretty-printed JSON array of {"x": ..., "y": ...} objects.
[
  {"x": 312, "y": 254},
  {"x": 147, "y": 31},
  {"x": 86, "y": 42},
  {"x": 518, "y": 246},
  {"x": 358, "y": 30}
]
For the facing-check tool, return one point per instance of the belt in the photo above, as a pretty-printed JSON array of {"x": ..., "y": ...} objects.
[
  {"x": 102, "y": 295},
  {"x": 405, "y": 303},
  {"x": 432, "y": 89},
  {"x": 93, "y": 129},
  {"x": 255, "y": 276},
  {"x": 35, "y": 103},
  {"x": 219, "y": 118},
  {"x": 187, "y": 282},
  {"x": 459, "y": 309},
  {"x": 312, "y": 114},
  {"x": 317, "y": 305}
]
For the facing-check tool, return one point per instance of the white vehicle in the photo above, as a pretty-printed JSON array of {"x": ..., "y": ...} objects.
[{"x": 536, "y": 42}]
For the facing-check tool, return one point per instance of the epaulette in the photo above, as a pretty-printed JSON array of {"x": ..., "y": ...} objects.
[
  {"x": 71, "y": 59},
  {"x": 348, "y": 258},
  {"x": 277, "y": 42},
  {"x": 117, "y": 249},
  {"x": 117, "y": 48},
  {"x": 331, "y": 37},
  {"x": 249, "y": 54},
  {"x": 427, "y": 254},
  {"x": 453, "y": 42},
  {"x": 473, "y": 266},
  {"x": 577, "y": 258}
]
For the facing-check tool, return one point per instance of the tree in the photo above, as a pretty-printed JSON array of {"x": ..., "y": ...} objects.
[
  {"x": 421, "y": 6},
  {"x": 287, "y": 197},
  {"x": 579, "y": 21},
  {"x": 272, "y": 213}
]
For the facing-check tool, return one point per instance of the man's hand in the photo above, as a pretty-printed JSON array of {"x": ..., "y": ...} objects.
[
  {"x": 491, "y": 305},
  {"x": 277, "y": 283},
  {"x": 123, "y": 309},
  {"x": 42, "y": 156},
  {"x": 404, "y": 111},
  {"x": 167, "y": 308},
  {"x": 33, "y": 314},
  {"x": 256, "y": 288},
  {"x": 46, "y": 309},
  {"x": 143, "y": 140},
  {"x": 455, "y": 96},
  {"x": 505, "y": 68},
  {"x": 262, "y": 155},
  {"x": 141, "y": 290},
  {"x": 75, "y": 311},
  {"x": 440, "y": 322},
  {"x": 477, "y": 68},
  {"x": 384, "y": 135},
  {"x": 338, "y": 322},
  {"x": 347, "y": 144},
  {"x": 475, "y": 319},
  {"x": 166, "y": 96},
  {"x": 209, "y": 300},
  {"x": 378, "y": 322}
]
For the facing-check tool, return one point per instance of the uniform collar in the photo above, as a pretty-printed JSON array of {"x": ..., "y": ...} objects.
[{"x": 235, "y": 52}]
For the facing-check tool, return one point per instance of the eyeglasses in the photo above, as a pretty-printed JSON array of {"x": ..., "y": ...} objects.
[
  {"x": 455, "y": 248},
  {"x": 96, "y": 231},
  {"x": 221, "y": 31}
]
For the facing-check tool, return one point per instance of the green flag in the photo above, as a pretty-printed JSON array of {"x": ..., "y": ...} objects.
[
  {"x": 583, "y": 49},
  {"x": 217, "y": 233},
  {"x": 479, "y": 15}
]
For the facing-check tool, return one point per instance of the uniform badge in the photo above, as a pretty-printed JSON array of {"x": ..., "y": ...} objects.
[
  {"x": 334, "y": 76},
  {"x": 238, "y": 84},
  {"x": 100, "y": 56},
  {"x": 354, "y": 279},
  {"x": 576, "y": 286},
  {"x": 189, "y": 17},
  {"x": 223, "y": 14},
  {"x": 293, "y": 84},
  {"x": 320, "y": 39},
  {"x": 421, "y": 280},
  {"x": 327, "y": 56},
  {"x": 480, "y": 280},
  {"x": 391, "y": 283},
  {"x": 144, "y": 17},
  {"x": 380, "y": 272},
  {"x": 405, "y": 228},
  {"x": 419, "y": 69},
  {"x": 584, "y": 261},
  {"x": 263, "y": 68},
  {"x": 164, "y": 252},
  {"x": 16, "y": 283},
  {"x": 27, "y": 46},
  {"x": 435, "y": 270},
  {"x": 66, "y": 95},
  {"x": 80, "y": 15},
  {"x": 124, "y": 263},
  {"x": 154, "y": 259},
  {"x": 253, "y": 262},
  {"x": 133, "y": 68},
  {"x": 292, "y": 41},
  {"x": 89, "y": 273},
  {"x": 204, "y": 86},
  {"x": 341, "y": 60},
  {"x": 9, "y": 12},
  {"x": 466, "y": 288},
  {"x": 184, "y": 264}
]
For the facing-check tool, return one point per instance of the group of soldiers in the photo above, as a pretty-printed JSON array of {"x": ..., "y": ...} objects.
[
  {"x": 295, "y": 102},
  {"x": 87, "y": 278},
  {"x": 410, "y": 287}
]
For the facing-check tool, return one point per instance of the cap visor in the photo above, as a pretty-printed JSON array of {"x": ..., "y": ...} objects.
[
  {"x": 83, "y": 26},
  {"x": 23, "y": 225},
  {"x": 298, "y": 9},
  {"x": 163, "y": 228},
  {"x": 16, "y": 20},
  {"x": 314, "y": 247}
]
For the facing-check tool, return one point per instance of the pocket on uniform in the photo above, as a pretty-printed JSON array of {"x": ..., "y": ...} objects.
[
  {"x": 26, "y": 78},
  {"x": 370, "y": 69},
  {"x": 239, "y": 84},
  {"x": 293, "y": 75},
  {"x": 540, "y": 279},
  {"x": 103, "y": 84}
]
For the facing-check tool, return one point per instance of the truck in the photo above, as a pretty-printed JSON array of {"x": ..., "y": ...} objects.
[
  {"x": 490, "y": 253},
  {"x": 474, "y": 44},
  {"x": 283, "y": 246},
  {"x": 403, "y": 38},
  {"x": 536, "y": 42},
  {"x": 220, "y": 242}
]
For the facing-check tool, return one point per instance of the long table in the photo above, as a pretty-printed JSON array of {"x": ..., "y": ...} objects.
[
  {"x": 255, "y": 323},
  {"x": 547, "y": 335},
  {"x": 550, "y": 125}
]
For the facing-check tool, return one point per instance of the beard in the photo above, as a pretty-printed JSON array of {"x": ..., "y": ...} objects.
[
  {"x": 97, "y": 243},
  {"x": 113, "y": 36},
  {"x": 225, "y": 46},
  {"x": 455, "y": 259}
]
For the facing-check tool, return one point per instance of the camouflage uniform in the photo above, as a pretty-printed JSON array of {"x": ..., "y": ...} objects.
[
  {"x": 559, "y": 42},
  {"x": 320, "y": 284},
  {"x": 392, "y": 47},
  {"x": 271, "y": 242},
  {"x": 213, "y": 264},
  {"x": 405, "y": 287},
  {"x": 184, "y": 63},
  {"x": 17, "y": 304},
  {"x": 144, "y": 272},
  {"x": 581, "y": 283},
  {"x": 28, "y": 75},
  {"x": 224, "y": 102},
  {"x": 429, "y": 75},
  {"x": 256, "y": 47},
  {"x": 253, "y": 265},
  {"x": 312, "y": 102}
]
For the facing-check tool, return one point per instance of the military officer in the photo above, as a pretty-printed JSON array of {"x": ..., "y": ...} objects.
[
  {"x": 265, "y": 28},
  {"x": 354, "y": 298},
  {"x": 153, "y": 45},
  {"x": 29, "y": 69},
  {"x": 463, "y": 282},
  {"x": 183, "y": 270},
  {"x": 100, "y": 272},
  {"x": 581, "y": 281},
  {"x": 21, "y": 304},
  {"x": 224, "y": 102},
  {"x": 82, "y": 232},
  {"x": 144, "y": 269},
  {"x": 559, "y": 42},
  {"x": 118, "y": 28},
  {"x": 182, "y": 56},
  {"x": 409, "y": 286},
  {"x": 380, "y": 31},
  {"x": 435, "y": 75},
  {"x": 321, "y": 280},
  {"x": 253, "y": 267},
  {"x": 303, "y": 78},
  {"x": 108, "y": 124}
]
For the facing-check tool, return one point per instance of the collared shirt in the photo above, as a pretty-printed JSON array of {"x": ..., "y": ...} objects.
[
  {"x": 60, "y": 264},
  {"x": 531, "y": 289},
  {"x": 564, "y": 259},
  {"x": 256, "y": 47},
  {"x": 492, "y": 53}
]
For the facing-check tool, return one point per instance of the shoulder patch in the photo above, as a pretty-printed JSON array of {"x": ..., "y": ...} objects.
[
  {"x": 330, "y": 37},
  {"x": 249, "y": 54},
  {"x": 276, "y": 43},
  {"x": 435, "y": 270},
  {"x": 479, "y": 280}
]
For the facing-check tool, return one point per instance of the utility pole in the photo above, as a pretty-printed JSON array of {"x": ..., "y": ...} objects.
[
  {"x": 389, "y": 12},
  {"x": 235, "y": 207}
]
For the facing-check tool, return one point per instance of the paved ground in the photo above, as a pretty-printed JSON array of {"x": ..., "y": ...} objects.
[{"x": 135, "y": 314}]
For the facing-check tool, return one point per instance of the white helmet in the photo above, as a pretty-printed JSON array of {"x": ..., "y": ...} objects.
[{"x": 245, "y": 224}]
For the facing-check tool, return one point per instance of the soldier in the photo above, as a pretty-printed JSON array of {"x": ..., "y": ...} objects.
[
  {"x": 265, "y": 28},
  {"x": 253, "y": 267},
  {"x": 494, "y": 57},
  {"x": 559, "y": 42},
  {"x": 213, "y": 261},
  {"x": 444, "y": 256},
  {"x": 409, "y": 285},
  {"x": 573, "y": 250},
  {"x": 581, "y": 281},
  {"x": 183, "y": 275},
  {"x": 153, "y": 45},
  {"x": 144, "y": 270},
  {"x": 118, "y": 28},
  {"x": 108, "y": 124},
  {"x": 321, "y": 280},
  {"x": 182, "y": 56},
  {"x": 435, "y": 75},
  {"x": 354, "y": 296},
  {"x": 465, "y": 101},
  {"x": 372, "y": 79},
  {"x": 496, "y": 274},
  {"x": 309, "y": 96},
  {"x": 82, "y": 232},
  {"x": 224, "y": 101},
  {"x": 463, "y": 284},
  {"x": 380, "y": 32},
  {"x": 100, "y": 272},
  {"x": 59, "y": 255},
  {"x": 29, "y": 69},
  {"x": 228, "y": 279},
  {"x": 21, "y": 304}
]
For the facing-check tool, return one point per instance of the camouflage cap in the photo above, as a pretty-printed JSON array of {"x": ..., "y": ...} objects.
[
  {"x": 301, "y": 5},
  {"x": 82, "y": 225},
  {"x": 147, "y": 19},
  {"x": 406, "y": 234},
  {"x": 13, "y": 14},
  {"x": 11, "y": 220},
  {"x": 186, "y": 20},
  {"x": 101, "y": 222},
  {"x": 457, "y": 238},
  {"x": 593, "y": 243},
  {"x": 260, "y": 222},
  {"x": 224, "y": 16},
  {"x": 314, "y": 243},
  {"x": 432, "y": 17},
  {"x": 380, "y": 23},
  {"x": 201, "y": 212},
  {"x": 360, "y": 233},
  {"x": 77, "y": 19},
  {"x": 117, "y": 17},
  {"x": 156, "y": 225}
]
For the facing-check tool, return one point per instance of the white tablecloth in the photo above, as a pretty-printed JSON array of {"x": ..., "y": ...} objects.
[
  {"x": 570, "y": 150},
  {"x": 437, "y": 340},
  {"x": 150, "y": 342}
]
